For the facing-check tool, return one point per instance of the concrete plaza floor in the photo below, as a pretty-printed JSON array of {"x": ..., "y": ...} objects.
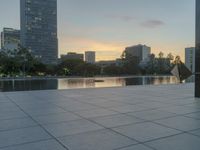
[{"x": 164, "y": 117}]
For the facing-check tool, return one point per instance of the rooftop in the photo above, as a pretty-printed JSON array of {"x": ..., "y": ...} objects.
[{"x": 127, "y": 118}]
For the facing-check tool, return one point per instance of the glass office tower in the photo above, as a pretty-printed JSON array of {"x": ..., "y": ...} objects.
[
  {"x": 39, "y": 28},
  {"x": 197, "y": 53}
]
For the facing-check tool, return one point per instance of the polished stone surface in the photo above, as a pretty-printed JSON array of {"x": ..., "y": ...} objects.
[{"x": 124, "y": 118}]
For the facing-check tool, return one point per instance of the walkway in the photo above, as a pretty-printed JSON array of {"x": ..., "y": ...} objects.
[{"x": 163, "y": 117}]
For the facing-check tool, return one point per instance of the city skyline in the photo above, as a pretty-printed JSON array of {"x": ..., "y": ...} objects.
[{"x": 89, "y": 25}]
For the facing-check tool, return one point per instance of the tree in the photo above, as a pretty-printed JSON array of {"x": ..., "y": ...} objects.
[
  {"x": 113, "y": 70},
  {"x": 70, "y": 65},
  {"x": 131, "y": 64},
  {"x": 18, "y": 61},
  {"x": 161, "y": 55},
  {"x": 170, "y": 57},
  {"x": 151, "y": 65}
]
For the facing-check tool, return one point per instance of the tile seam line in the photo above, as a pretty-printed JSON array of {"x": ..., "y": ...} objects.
[
  {"x": 38, "y": 124},
  {"x": 18, "y": 128},
  {"x": 138, "y": 142},
  {"x": 166, "y": 126},
  {"x": 111, "y": 128},
  {"x": 135, "y": 145},
  {"x": 134, "y": 140},
  {"x": 26, "y": 143}
]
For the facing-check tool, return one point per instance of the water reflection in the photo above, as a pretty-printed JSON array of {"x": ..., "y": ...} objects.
[{"x": 73, "y": 83}]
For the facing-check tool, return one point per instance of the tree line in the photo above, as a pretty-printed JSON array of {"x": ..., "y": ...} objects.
[{"x": 21, "y": 62}]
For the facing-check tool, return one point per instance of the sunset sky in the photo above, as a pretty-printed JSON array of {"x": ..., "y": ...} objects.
[{"x": 108, "y": 26}]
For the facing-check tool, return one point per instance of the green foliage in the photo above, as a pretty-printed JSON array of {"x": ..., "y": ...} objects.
[
  {"x": 113, "y": 70},
  {"x": 21, "y": 62},
  {"x": 18, "y": 62},
  {"x": 76, "y": 67},
  {"x": 161, "y": 64}
]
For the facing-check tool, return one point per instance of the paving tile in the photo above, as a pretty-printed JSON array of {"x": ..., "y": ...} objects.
[
  {"x": 196, "y": 132},
  {"x": 8, "y": 107},
  {"x": 20, "y": 136},
  {"x": 145, "y": 131},
  {"x": 56, "y": 118},
  {"x": 195, "y": 104},
  {"x": 36, "y": 105},
  {"x": 96, "y": 113},
  {"x": 180, "y": 123},
  {"x": 43, "y": 145},
  {"x": 108, "y": 104},
  {"x": 128, "y": 108},
  {"x": 3, "y": 98},
  {"x": 116, "y": 120},
  {"x": 72, "y": 127},
  {"x": 77, "y": 106},
  {"x": 12, "y": 115},
  {"x": 152, "y": 114},
  {"x": 45, "y": 111},
  {"x": 98, "y": 140},
  {"x": 178, "y": 142},
  {"x": 16, "y": 123},
  {"x": 136, "y": 147},
  {"x": 154, "y": 104},
  {"x": 180, "y": 110},
  {"x": 151, "y": 103},
  {"x": 194, "y": 115}
]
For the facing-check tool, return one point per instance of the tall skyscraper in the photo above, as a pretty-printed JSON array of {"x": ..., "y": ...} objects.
[
  {"x": 90, "y": 57},
  {"x": 140, "y": 51},
  {"x": 39, "y": 28},
  {"x": 190, "y": 58},
  {"x": 197, "y": 53},
  {"x": 10, "y": 39}
]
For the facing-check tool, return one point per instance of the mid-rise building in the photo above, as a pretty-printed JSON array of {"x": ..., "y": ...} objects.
[
  {"x": 190, "y": 58},
  {"x": 72, "y": 55},
  {"x": 90, "y": 57},
  {"x": 10, "y": 39},
  {"x": 39, "y": 28},
  {"x": 140, "y": 51}
]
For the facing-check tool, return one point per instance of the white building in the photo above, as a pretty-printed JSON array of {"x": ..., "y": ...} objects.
[
  {"x": 10, "y": 39},
  {"x": 140, "y": 51},
  {"x": 190, "y": 58},
  {"x": 90, "y": 57}
]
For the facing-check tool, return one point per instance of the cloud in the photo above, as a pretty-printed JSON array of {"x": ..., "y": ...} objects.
[
  {"x": 152, "y": 23},
  {"x": 124, "y": 18}
]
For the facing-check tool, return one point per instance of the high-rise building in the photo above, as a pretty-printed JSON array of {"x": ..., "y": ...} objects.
[
  {"x": 197, "y": 51},
  {"x": 90, "y": 57},
  {"x": 140, "y": 51},
  {"x": 10, "y": 39},
  {"x": 190, "y": 58},
  {"x": 39, "y": 28}
]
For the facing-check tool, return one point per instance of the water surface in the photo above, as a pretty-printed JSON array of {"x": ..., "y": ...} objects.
[{"x": 74, "y": 83}]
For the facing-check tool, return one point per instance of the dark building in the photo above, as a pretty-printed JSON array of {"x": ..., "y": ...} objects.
[
  {"x": 72, "y": 55},
  {"x": 197, "y": 53},
  {"x": 39, "y": 28}
]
